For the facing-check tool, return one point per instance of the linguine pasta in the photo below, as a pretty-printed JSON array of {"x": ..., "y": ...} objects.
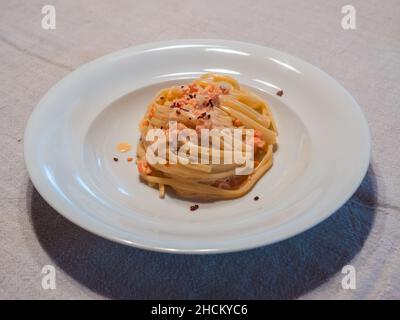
[{"x": 214, "y": 102}]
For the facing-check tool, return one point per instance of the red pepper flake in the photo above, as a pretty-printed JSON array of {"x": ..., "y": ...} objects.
[
  {"x": 115, "y": 159},
  {"x": 280, "y": 93},
  {"x": 162, "y": 98},
  {"x": 182, "y": 87},
  {"x": 130, "y": 159},
  {"x": 210, "y": 103},
  {"x": 208, "y": 116},
  {"x": 194, "y": 207},
  {"x": 202, "y": 115},
  {"x": 174, "y": 105},
  {"x": 190, "y": 118},
  {"x": 256, "y": 198},
  {"x": 177, "y": 112}
]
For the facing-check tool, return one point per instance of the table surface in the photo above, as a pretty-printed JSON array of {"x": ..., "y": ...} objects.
[{"x": 363, "y": 233}]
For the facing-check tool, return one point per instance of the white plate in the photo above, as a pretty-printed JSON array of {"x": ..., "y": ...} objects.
[{"x": 71, "y": 137}]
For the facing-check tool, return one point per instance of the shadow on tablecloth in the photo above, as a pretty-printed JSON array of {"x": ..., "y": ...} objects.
[{"x": 284, "y": 270}]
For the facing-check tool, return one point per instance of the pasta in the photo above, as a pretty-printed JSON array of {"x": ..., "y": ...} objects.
[{"x": 214, "y": 102}]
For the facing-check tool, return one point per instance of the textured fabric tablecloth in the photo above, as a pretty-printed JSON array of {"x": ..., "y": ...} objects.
[{"x": 363, "y": 233}]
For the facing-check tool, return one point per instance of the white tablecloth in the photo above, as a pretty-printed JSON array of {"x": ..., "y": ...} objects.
[{"x": 364, "y": 233}]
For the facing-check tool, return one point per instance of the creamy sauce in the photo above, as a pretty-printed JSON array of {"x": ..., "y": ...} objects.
[{"x": 124, "y": 147}]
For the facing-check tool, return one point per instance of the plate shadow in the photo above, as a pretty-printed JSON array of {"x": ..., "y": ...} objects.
[{"x": 285, "y": 270}]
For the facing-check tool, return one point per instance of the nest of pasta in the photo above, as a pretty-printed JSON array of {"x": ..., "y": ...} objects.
[{"x": 213, "y": 102}]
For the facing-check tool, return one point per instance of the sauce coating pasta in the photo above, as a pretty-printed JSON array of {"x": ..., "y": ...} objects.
[{"x": 214, "y": 102}]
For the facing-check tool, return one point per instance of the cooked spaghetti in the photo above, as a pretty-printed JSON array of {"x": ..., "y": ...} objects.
[{"x": 210, "y": 102}]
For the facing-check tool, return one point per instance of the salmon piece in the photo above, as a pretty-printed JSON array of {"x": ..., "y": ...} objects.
[
  {"x": 143, "y": 167},
  {"x": 258, "y": 141},
  {"x": 203, "y": 124},
  {"x": 257, "y": 133},
  {"x": 230, "y": 182},
  {"x": 212, "y": 90},
  {"x": 152, "y": 111},
  {"x": 193, "y": 88}
]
